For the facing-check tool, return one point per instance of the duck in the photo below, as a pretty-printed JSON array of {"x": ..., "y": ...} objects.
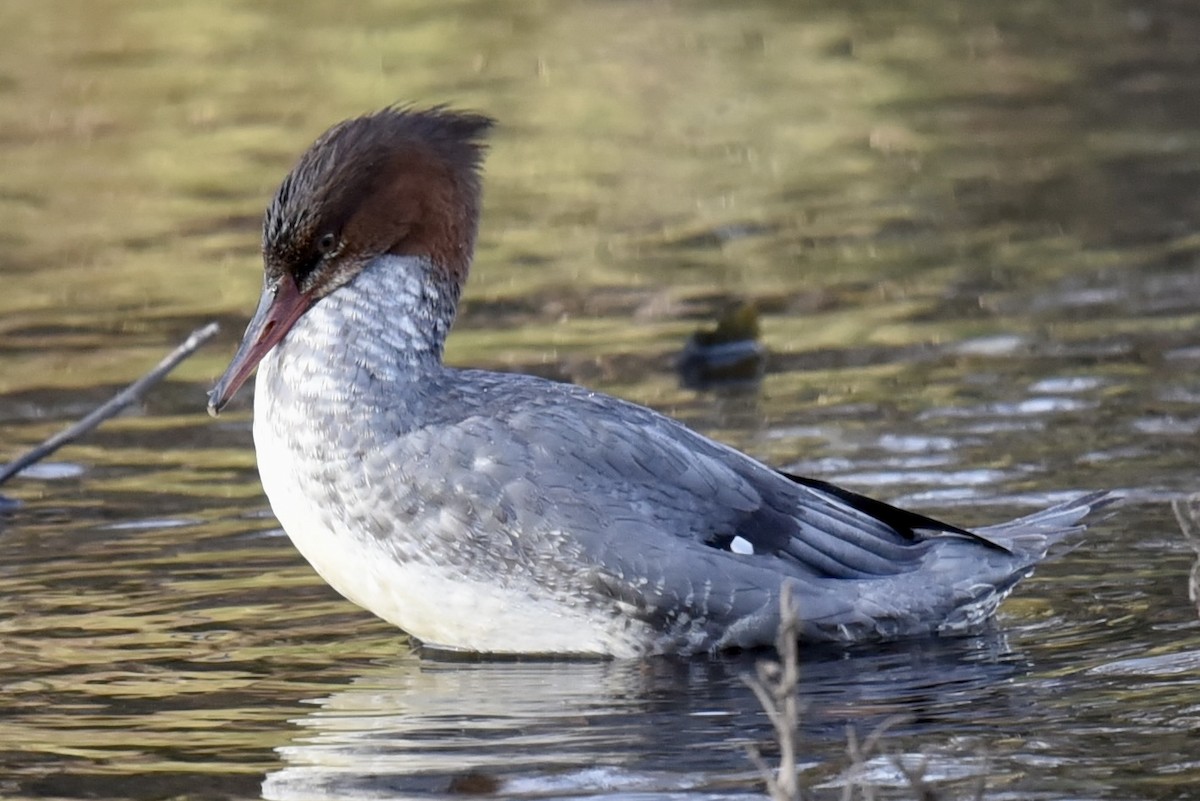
[{"x": 507, "y": 514}]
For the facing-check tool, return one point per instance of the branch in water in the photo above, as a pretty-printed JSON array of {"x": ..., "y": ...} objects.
[{"x": 114, "y": 405}]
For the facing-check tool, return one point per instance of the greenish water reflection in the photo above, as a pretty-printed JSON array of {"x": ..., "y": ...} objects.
[{"x": 970, "y": 231}]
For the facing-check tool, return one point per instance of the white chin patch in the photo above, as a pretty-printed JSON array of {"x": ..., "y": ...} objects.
[{"x": 740, "y": 545}]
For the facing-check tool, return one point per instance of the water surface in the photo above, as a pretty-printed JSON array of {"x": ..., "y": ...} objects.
[{"x": 970, "y": 233}]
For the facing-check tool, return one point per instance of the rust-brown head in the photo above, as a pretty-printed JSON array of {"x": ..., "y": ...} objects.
[{"x": 400, "y": 181}]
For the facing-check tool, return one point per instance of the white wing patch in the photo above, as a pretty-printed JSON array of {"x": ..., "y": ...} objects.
[{"x": 742, "y": 546}]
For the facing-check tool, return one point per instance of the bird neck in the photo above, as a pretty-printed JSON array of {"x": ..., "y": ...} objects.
[{"x": 387, "y": 326}]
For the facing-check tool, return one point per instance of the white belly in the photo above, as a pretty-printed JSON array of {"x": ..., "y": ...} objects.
[{"x": 436, "y": 604}]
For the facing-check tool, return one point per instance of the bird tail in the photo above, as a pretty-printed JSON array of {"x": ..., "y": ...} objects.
[{"x": 1033, "y": 535}]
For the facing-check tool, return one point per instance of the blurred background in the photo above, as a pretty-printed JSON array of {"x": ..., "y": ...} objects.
[{"x": 967, "y": 235}]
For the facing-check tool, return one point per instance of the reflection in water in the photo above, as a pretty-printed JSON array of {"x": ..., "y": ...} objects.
[
  {"x": 525, "y": 729},
  {"x": 970, "y": 229}
]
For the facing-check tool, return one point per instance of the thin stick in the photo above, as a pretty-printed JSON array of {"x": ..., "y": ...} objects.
[
  {"x": 1187, "y": 512},
  {"x": 110, "y": 408},
  {"x": 775, "y": 687}
]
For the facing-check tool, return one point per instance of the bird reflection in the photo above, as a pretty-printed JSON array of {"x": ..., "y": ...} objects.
[{"x": 422, "y": 728}]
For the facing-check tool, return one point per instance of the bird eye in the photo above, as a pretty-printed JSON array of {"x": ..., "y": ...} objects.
[{"x": 326, "y": 244}]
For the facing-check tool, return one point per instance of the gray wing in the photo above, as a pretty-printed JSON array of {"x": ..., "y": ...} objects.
[
  {"x": 608, "y": 460},
  {"x": 615, "y": 475}
]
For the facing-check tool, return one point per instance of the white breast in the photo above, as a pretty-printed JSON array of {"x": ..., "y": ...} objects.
[{"x": 434, "y": 603}]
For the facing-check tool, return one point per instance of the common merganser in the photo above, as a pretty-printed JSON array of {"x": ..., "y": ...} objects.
[{"x": 504, "y": 513}]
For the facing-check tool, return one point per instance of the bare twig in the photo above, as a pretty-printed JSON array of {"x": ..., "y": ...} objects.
[
  {"x": 110, "y": 408},
  {"x": 1187, "y": 512},
  {"x": 775, "y": 687},
  {"x": 916, "y": 778},
  {"x": 981, "y": 779},
  {"x": 870, "y": 745},
  {"x": 860, "y": 753}
]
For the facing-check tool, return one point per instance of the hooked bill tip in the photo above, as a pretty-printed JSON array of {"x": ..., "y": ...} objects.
[{"x": 214, "y": 407}]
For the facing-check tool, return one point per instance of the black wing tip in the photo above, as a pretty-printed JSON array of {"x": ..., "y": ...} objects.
[{"x": 903, "y": 521}]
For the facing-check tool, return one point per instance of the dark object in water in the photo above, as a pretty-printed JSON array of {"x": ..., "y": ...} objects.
[{"x": 727, "y": 354}]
